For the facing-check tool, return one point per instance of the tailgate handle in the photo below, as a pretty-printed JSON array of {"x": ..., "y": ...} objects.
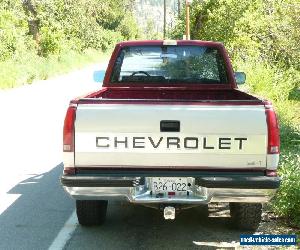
[{"x": 169, "y": 126}]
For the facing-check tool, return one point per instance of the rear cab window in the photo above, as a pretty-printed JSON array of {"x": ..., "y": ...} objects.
[{"x": 169, "y": 64}]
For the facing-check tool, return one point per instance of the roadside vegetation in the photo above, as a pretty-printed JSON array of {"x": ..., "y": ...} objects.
[
  {"x": 262, "y": 37},
  {"x": 43, "y": 38},
  {"x": 29, "y": 67}
]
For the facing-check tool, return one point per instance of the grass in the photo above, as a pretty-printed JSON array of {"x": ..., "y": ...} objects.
[
  {"x": 287, "y": 201},
  {"x": 29, "y": 67},
  {"x": 282, "y": 88}
]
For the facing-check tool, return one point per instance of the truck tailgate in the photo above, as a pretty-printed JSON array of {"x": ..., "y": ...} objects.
[{"x": 170, "y": 136}]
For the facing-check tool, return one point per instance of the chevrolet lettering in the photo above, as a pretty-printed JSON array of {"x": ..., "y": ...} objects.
[
  {"x": 170, "y": 142},
  {"x": 170, "y": 129}
]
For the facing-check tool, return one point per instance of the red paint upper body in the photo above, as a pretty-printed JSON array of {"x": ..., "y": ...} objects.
[
  {"x": 217, "y": 45},
  {"x": 187, "y": 92}
]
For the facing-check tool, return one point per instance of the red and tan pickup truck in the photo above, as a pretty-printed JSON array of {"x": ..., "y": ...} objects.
[{"x": 169, "y": 129}]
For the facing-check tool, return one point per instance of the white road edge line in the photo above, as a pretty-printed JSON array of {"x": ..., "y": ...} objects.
[{"x": 65, "y": 233}]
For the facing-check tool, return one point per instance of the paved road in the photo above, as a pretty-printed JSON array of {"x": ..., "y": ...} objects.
[
  {"x": 35, "y": 213},
  {"x": 33, "y": 206}
]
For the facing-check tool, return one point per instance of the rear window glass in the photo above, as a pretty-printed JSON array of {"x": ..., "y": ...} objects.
[{"x": 170, "y": 64}]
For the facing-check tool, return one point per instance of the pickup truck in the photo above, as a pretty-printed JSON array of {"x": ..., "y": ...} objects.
[{"x": 170, "y": 129}]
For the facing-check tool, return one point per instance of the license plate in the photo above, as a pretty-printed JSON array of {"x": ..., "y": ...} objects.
[{"x": 169, "y": 185}]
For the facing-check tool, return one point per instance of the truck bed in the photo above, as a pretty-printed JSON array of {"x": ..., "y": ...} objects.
[{"x": 173, "y": 94}]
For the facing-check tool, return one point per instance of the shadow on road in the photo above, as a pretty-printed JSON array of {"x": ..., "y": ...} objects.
[
  {"x": 35, "y": 218},
  {"x": 137, "y": 227}
]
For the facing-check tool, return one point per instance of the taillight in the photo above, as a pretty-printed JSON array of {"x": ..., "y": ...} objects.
[
  {"x": 271, "y": 173},
  {"x": 69, "y": 170},
  {"x": 69, "y": 129},
  {"x": 273, "y": 131}
]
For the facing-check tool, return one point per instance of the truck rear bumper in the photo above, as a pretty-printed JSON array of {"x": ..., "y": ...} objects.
[{"x": 256, "y": 189}]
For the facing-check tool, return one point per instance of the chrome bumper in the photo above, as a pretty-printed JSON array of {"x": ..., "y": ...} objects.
[{"x": 142, "y": 194}]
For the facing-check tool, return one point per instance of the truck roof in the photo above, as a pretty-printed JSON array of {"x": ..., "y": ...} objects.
[
  {"x": 173, "y": 42},
  {"x": 211, "y": 44}
]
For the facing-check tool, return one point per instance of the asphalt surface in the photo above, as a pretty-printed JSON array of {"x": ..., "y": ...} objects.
[
  {"x": 136, "y": 227},
  {"x": 35, "y": 212},
  {"x": 33, "y": 206}
]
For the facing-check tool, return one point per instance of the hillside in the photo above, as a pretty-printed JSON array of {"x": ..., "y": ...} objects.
[{"x": 150, "y": 17}]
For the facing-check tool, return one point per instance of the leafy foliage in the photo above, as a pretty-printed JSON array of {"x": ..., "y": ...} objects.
[
  {"x": 149, "y": 32},
  {"x": 51, "y": 28},
  {"x": 262, "y": 37},
  {"x": 12, "y": 32},
  {"x": 29, "y": 66},
  {"x": 64, "y": 24},
  {"x": 260, "y": 29}
]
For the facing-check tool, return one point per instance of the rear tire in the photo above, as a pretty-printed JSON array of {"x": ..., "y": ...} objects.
[
  {"x": 91, "y": 212},
  {"x": 246, "y": 216}
]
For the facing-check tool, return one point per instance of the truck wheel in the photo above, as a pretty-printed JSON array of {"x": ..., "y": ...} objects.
[
  {"x": 245, "y": 216},
  {"x": 91, "y": 212}
]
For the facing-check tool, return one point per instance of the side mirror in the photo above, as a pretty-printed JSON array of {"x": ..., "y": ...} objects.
[
  {"x": 240, "y": 77},
  {"x": 98, "y": 75}
]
